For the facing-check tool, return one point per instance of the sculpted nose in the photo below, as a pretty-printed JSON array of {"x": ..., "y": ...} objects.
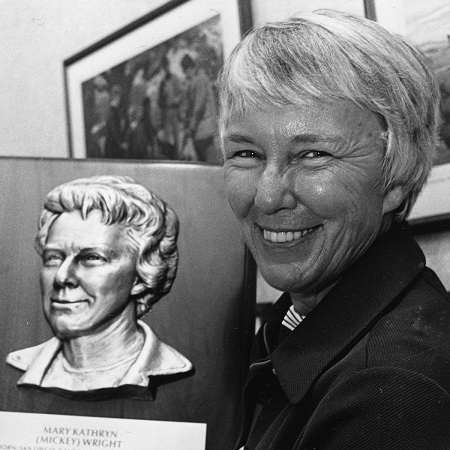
[
  {"x": 65, "y": 275},
  {"x": 274, "y": 191}
]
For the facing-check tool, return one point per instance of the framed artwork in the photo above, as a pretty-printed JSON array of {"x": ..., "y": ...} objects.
[
  {"x": 427, "y": 25},
  {"x": 148, "y": 91},
  {"x": 436, "y": 247}
]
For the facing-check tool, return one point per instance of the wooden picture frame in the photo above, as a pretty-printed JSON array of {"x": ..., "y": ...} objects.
[{"x": 116, "y": 105}]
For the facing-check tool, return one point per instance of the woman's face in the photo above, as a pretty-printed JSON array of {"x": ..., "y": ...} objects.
[
  {"x": 305, "y": 184},
  {"x": 87, "y": 275}
]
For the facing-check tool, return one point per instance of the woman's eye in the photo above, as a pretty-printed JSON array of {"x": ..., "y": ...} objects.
[
  {"x": 315, "y": 154},
  {"x": 246, "y": 154}
]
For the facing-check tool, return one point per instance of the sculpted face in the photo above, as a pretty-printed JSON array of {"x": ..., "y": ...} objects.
[
  {"x": 87, "y": 275},
  {"x": 305, "y": 184}
]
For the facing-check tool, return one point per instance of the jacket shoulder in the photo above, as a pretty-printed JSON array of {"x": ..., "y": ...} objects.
[
  {"x": 381, "y": 407},
  {"x": 415, "y": 333}
]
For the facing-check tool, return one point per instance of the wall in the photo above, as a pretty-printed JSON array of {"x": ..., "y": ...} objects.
[
  {"x": 36, "y": 37},
  {"x": 264, "y": 10}
]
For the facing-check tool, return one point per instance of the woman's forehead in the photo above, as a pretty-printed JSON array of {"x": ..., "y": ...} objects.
[{"x": 330, "y": 119}]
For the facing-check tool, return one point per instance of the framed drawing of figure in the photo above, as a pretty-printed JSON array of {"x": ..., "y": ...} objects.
[{"x": 131, "y": 96}]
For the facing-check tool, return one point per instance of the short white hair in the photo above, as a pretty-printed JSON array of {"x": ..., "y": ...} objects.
[
  {"x": 330, "y": 55},
  {"x": 150, "y": 224}
]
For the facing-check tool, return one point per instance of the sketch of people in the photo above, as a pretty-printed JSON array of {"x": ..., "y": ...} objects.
[
  {"x": 149, "y": 130},
  {"x": 96, "y": 96},
  {"x": 169, "y": 100},
  {"x": 136, "y": 142},
  {"x": 109, "y": 252},
  {"x": 137, "y": 91},
  {"x": 115, "y": 126},
  {"x": 201, "y": 110}
]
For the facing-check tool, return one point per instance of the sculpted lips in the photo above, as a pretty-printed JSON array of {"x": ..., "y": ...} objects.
[
  {"x": 286, "y": 236},
  {"x": 61, "y": 303}
]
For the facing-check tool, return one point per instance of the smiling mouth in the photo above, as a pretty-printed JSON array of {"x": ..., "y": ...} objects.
[{"x": 286, "y": 236}]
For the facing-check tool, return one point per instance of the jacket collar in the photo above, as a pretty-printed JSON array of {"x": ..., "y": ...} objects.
[{"x": 347, "y": 311}]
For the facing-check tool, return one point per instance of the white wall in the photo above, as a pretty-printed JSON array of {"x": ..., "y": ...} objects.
[
  {"x": 265, "y": 10},
  {"x": 36, "y": 36}
]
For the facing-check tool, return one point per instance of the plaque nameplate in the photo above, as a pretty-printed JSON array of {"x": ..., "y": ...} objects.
[{"x": 26, "y": 431}]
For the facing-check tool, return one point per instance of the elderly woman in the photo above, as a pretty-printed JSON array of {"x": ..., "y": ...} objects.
[
  {"x": 329, "y": 129},
  {"x": 109, "y": 252}
]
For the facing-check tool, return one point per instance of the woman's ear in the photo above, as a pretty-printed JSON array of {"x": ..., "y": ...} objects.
[
  {"x": 393, "y": 199},
  {"x": 142, "y": 297}
]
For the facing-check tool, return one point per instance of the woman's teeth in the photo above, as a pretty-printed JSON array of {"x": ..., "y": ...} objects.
[{"x": 285, "y": 236}]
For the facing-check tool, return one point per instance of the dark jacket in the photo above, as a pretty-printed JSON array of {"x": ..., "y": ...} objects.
[{"x": 368, "y": 368}]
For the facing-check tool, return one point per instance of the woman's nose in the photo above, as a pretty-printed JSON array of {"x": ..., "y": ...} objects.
[
  {"x": 66, "y": 274},
  {"x": 274, "y": 191}
]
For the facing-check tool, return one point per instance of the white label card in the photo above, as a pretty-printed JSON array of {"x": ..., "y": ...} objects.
[{"x": 25, "y": 431}]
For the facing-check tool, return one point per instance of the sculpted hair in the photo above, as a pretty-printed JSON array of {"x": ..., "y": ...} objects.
[
  {"x": 150, "y": 225},
  {"x": 328, "y": 55}
]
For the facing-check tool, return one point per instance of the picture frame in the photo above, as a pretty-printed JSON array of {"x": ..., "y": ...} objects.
[
  {"x": 426, "y": 25},
  {"x": 148, "y": 91},
  {"x": 431, "y": 212},
  {"x": 369, "y": 9}
]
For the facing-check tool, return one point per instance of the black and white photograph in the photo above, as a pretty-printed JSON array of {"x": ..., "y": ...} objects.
[{"x": 225, "y": 225}]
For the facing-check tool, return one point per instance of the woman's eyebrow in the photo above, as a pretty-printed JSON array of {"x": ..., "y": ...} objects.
[
  {"x": 307, "y": 138},
  {"x": 238, "y": 138},
  {"x": 315, "y": 138}
]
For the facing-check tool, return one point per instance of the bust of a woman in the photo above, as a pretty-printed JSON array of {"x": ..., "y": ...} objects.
[{"x": 109, "y": 252}]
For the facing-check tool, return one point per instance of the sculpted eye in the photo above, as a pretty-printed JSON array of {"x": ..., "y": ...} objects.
[
  {"x": 92, "y": 259},
  {"x": 52, "y": 258}
]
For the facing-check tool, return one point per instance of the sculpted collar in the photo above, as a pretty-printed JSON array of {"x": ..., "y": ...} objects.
[{"x": 155, "y": 359}]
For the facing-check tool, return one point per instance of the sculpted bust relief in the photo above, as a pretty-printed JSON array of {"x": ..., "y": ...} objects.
[{"x": 109, "y": 252}]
